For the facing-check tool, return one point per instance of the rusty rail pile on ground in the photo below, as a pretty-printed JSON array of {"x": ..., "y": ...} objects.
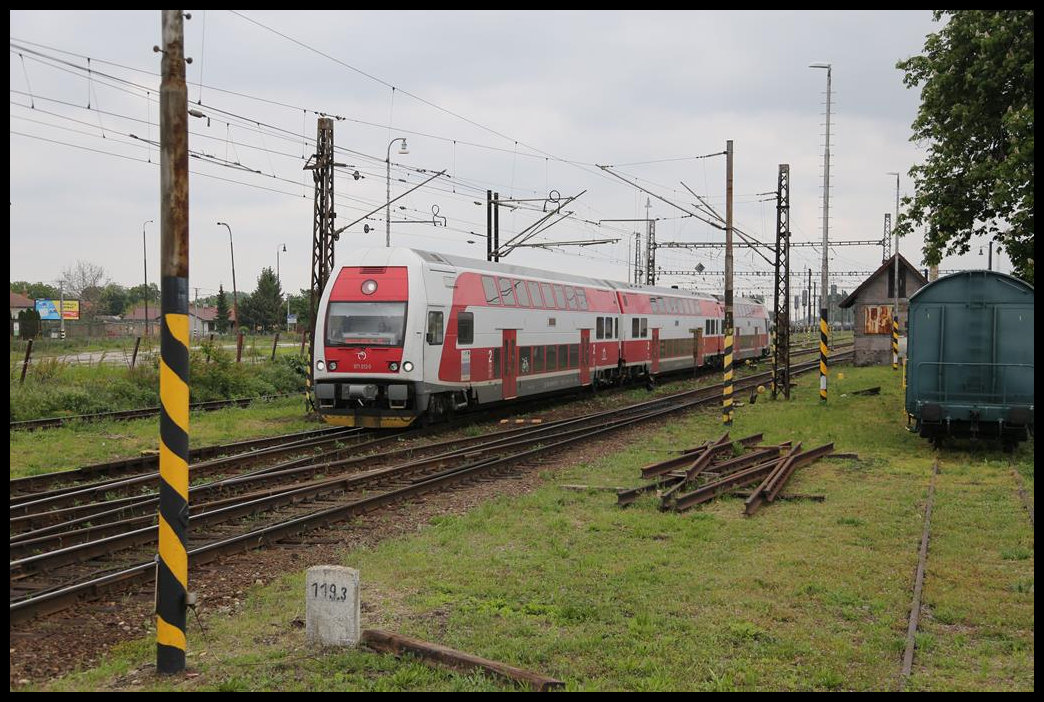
[{"x": 723, "y": 466}]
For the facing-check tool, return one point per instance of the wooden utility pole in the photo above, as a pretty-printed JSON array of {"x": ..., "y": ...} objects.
[
  {"x": 172, "y": 563},
  {"x": 726, "y": 399}
]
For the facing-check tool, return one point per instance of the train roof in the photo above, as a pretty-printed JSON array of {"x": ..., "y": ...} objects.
[
  {"x": 399, "y": 255},
  {"x": 982, "y": 284},
  {"x": 499, "y": 267}
]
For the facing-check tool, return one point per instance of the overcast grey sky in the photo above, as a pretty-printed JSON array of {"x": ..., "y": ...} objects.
[{"x": 520, "y": 102}]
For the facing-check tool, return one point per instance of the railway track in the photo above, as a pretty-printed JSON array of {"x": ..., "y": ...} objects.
[
  {"x": 123, "y": 415},
  {"x": 68, "y": 560}
]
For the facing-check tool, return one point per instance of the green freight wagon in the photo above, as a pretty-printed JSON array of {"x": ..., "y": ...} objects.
[{"x": 969, "y": 369}]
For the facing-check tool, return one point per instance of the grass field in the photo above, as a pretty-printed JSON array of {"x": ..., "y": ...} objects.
[{"x": 803, "y": 596}]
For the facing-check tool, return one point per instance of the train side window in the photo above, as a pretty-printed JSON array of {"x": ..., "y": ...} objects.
[
  {"x": 549, "y": 298},
  {"x": 490, "y": 288},
  {"x": 522, "y": 293},
  {"x": 525, "y": 365},
  {"x": 563, "y": 356},
  {"x": 496, "y": 362},
  {"x": 574, "y": 355},
  {"x": 616, "y": 328},
  {"x": 552, "y": 358},
  {"x": 534, "y": 293},
  {"x": 634, "y": 327},
  {"x": 600, "y": 328},
  {"x": 434, "y": 335},
  {"x": 581, "y": 298},
  {"x": 538, "y": 359},
  {"x": 570, "y": 295},
  {"x": 645, "y": 327},
  {"x": 507, "y": 291},
  {"x": 551, "y": 321},
  {"x": 466, "y": 328},
  {"x": 560, "y": 301}
]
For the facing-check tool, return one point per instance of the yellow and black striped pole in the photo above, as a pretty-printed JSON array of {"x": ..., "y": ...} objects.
[
  {"x": 726, "y": 393},
  {"x": 823, "y": 351},
  {"x": 172, "y": 564},
  {"x": 895, "y": 342}
]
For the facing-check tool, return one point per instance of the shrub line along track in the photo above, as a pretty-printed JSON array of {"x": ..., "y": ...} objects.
[{"x": 50, "y": 581}]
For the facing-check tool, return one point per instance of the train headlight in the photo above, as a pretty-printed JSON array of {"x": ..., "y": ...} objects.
[
  {"x": 333, "y": 365},
  {"x": 393, "y": 366},
  {"x": 407, "y": 366},
  {"x": 369, "y": 287},
  {"x": 320, "y": 366}
]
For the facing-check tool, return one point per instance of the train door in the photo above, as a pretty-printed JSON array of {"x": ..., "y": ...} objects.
[
  {"x": 585, "y": 356},
  {"x": 508, "y": 352},
  {"x": 434, "y": 335},
  {"x": 655, "y": 351}
]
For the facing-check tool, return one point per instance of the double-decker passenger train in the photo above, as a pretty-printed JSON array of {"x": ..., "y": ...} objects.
[{"x": 403, "y": 334}]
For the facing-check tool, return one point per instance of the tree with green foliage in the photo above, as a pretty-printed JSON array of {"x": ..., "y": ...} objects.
[
  {"x": 36, "y": 291},
  {"x": 976, "y": 116},
  {"x": 136, "y": 295},
  {"x": 300, "y": 305},
  {"x": 28, "y": 324},
  {"x": 264, "y": 307},
  {"x": 222, "y": 319},
  {"x": 113, "y": 299}
]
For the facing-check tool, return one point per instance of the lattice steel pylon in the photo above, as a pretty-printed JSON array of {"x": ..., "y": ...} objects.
[
  {"x": 321, "y": 163},
  {"x": 781, "y": 296},
  {"x": 637, "y": 273},
  {"x": 886, "y": 238},
  {"x": 650, "y": 253}
]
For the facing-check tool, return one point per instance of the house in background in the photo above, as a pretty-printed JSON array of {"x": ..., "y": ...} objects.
[
  {"x": 20, "y": 302},
  {"x": 202, "y": 321},
  {"x": 873, "y": 303}
]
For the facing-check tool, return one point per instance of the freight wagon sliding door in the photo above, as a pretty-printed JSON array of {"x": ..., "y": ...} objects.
[{"x": 508, "y": 353}]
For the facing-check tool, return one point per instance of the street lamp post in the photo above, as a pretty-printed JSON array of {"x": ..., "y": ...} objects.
[
  {"x": 387, "y": 200},
  {"x": 823, "y": 289},
  {"x": 144, "y": 260},
  {"x": 235, "y": 294}
]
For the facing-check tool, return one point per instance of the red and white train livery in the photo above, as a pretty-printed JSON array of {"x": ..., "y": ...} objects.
[{"x": 402, "y": 333}]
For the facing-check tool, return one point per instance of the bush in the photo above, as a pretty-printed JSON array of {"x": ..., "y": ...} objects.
[{"x": 53, "y": 388}]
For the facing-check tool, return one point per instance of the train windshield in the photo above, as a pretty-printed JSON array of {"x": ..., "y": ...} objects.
[{"x": 366, "y": 324}]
